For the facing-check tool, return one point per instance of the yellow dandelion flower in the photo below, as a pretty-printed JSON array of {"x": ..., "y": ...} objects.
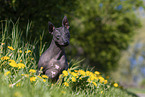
[
  {"x": 105, "y": 81},
  {"x": 44, "y": 76},
  {"x": 21, "y": 65},
  {"x": 101, "y": 92},
  {"x": 74, "y": 74},
  {"x": 28, "y": 51},
  {"x": 66, "y": 84},
  {"x": 94, "y": 84},
  {"x": 11, "y": 48},
  {"x": 83, "y": 73},
  {"x": 32, "y": 71},
  {"x": 96, "y": 78},
  {"x": 44, "y": 80},
  {"x": 73, "y": 79},
  {"x": 32, "y": 79},
  {"x": 13, "y": 63},
  {"x": 5, "y": 58},
  {"x": 39, "y": 77},
  {"x": 101, "y": 79},
  {"x": 41, "y": 68},
  {"x": 32, "y": 58},
  {"x": 20, "y": 60},
  {"x": 88, "y": 80},
  {"x": 63, "y": 92},
  {"x": 92, "y": 77},
  {"x": 115, "y": 85},
  {"x": 20, "y": 51},
  {"x": 76, "y": 70},
  {"x": 18, "y": 84},
  {"x": 97, "y": 72},
  {"x": 80, "y": 78},
  {"x": 12, "y": 60},
  {"x": 7, "y": 73},
  {"x": 88, "y": 73},
  {"x": 65, "y": 73}
]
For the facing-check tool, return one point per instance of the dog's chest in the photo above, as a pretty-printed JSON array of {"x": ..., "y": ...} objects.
[{"x": 58, "y": 64}]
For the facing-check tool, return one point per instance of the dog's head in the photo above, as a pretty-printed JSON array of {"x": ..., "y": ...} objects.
[{"x": 61, "y": 35}]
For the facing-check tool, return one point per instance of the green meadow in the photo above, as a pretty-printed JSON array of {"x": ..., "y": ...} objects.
[{"x": 18, "y": 74}]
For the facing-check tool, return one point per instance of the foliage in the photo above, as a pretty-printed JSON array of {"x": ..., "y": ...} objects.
[
  {"x": 37, "y": 12},
  {"x": 142, "y": 84},
  {"x": 103, "y": 28},
  {"x": 131, "y": 63},
  {"x": 19, "y": 79}
]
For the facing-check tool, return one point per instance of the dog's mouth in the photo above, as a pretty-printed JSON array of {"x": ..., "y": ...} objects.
[{"x": 63, "y": 44}]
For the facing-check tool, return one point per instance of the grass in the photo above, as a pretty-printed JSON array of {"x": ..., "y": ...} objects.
[
  {"x": 18, "y": 65},
  {"x": 55, "y": 91},
  {"x": 136, "y": 90}
]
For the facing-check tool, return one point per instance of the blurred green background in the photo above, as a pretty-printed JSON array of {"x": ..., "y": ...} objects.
[{"x": 102, "y": 31}]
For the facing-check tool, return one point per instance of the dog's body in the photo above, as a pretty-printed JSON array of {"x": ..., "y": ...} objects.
[{"x": 54, "y": 60}]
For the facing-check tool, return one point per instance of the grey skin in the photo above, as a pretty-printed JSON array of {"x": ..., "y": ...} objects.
[{"x": 54, "y": 60}]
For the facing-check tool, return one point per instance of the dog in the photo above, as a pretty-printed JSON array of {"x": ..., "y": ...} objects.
[{"x": 54, "y": 60}]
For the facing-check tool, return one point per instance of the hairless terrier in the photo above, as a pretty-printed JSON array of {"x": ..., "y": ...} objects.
[{"x": 54, "y": 60}]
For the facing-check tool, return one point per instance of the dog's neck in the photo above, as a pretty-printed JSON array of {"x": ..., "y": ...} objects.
[{"x": 57, "y": 51}]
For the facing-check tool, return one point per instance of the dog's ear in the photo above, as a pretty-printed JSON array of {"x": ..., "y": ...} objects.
[
  {"x": 51, "y": 27},
  {"x": 65, "y": 22}
]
